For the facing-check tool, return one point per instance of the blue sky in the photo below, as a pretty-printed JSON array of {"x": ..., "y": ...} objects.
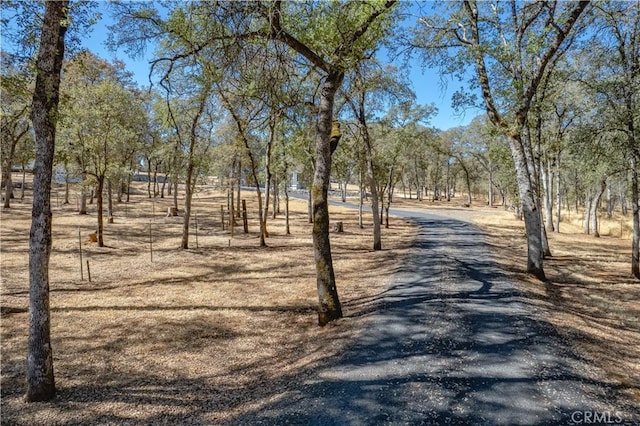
[{"x": 428, "y": 86}]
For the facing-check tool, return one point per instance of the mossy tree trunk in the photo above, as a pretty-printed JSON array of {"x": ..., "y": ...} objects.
[{"x": 329, "y": 308}]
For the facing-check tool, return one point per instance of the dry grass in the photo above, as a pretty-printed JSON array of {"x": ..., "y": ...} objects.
[
  {"x": 204, "y": 335},
  {"x": 196, "y": 336}
]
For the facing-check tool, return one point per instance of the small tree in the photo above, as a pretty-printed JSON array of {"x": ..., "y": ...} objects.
[
  {"x": 15, "y": 92},
  {"x": 102, "y": 120}
]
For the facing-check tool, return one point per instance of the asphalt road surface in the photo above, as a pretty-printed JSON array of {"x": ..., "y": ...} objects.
[{"x": 452, "y": 343}]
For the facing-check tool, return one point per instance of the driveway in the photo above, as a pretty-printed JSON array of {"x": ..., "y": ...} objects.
[{"x": 452, "y": 343}]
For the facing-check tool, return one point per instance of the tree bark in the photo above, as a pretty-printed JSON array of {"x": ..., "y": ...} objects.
[
  {"x": 264, "y": 215},
  {"x": 184, "y": 243},
  {"x": 191, "y": 159},
  {"x": 547, "y": 191},
  {"x": 24, "y": 181},
  {"x": 467, "y": 179},
  {"x": 635, "y": 201},
  {"x": 109, "y": 202},
  {"x": 239, "y": 189},
  {"x": 6, "y": 178},
  {"x": 155, "y": 179},
  {"x": 164, "y": 185},
  {"x": 490, "y": 185},
  {"x": 66, "y": 184},
  {"x": 329, "y": 308},
  {"x": 558, "y": 196},
  {"x": 276, "y": 204},
  {"x": 8, "y": 193},
  {"x": 587, "y": 215},
  {"x": 83, "y": 201},
  {"x": 99, "y": 202},
  {"x": 175, "y": 193},
  {"x": 532, "y": 218},
  {"x": 39, "y": 368},
  {"x": 371, "y": 176},
  {"x": 310, "y": 205},
  {"x": 286, "y": 207},
  {"x": 521, "y": 153},
  {"x": 594, "y": 208},
  {"x": 149, "y": 177},
  {"x": 361, "y": 199},
  {"x": 254, "y": 170}
]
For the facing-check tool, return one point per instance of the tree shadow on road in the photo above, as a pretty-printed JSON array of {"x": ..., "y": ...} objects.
[{"x": 452, "y": 342}]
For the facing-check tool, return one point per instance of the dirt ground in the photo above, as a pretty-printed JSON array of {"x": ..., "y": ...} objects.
[
  {"x": 208, "y": 333},
  {"x": 204, "y": 333}
]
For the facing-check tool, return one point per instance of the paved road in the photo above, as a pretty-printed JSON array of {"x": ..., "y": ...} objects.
[{"x": 453, "y": 343}]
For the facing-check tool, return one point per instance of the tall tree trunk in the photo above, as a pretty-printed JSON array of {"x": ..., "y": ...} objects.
[
  {"x": 39, "y": 369},
  {"x": 99, "y": 205},
  {"x": 490, "y": 185},
  {"x": 519, "y": 150},
  {"x": 164, "y": 185},
  {"x": 467, "y": 179},
  {"x": 232, "y": 206},
  {"x": 546, "y": 249},
  {"x": 252, "y": 162},
  {"x": 264, "y": 215},
  {"x": 594, "y": 207},
  {"x": 269, "y": 176},
  {"x": 286, "y": 206},
  {"x": 188, "y": 195},
  {"x": 175, "y": 194},
  {"x": 276, "y": 205},
  {"x": 587, "y": 215},
  {"x": 611, "y": 203},
  {"x": 129, "y": 179},
  {"x": 359, "y": 111},
  {"x": 547, "y": 191},
  {"x": 190, "y": 182},
  {"x": 149, "y": 176},
  {"x": 361, "y": 199},
  {"x": 83, "y": 201},
  {"x": 310, "y": 205},
  {"x": 239, "y": 189},
  {"x": 532, "y": 220},
  {"x": 635, "y": 200},
  {"x": 155, "y": 180},
  {"x": 8, "y": 193},
  {"x": 448, "y": 183},
  {"x": 109, "y": 202},
  {"x": 6, "y": 178},
  {"x": 536, "y": 173},
  {"x": 254, "y": 173},
  {"x": 558, "y": 195},
  {"x": 389, "y": 197},
  {"x": 329, "y": 308},
  {"x": 24, "y": 181},
  {"x": 375, "y": 198}
]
